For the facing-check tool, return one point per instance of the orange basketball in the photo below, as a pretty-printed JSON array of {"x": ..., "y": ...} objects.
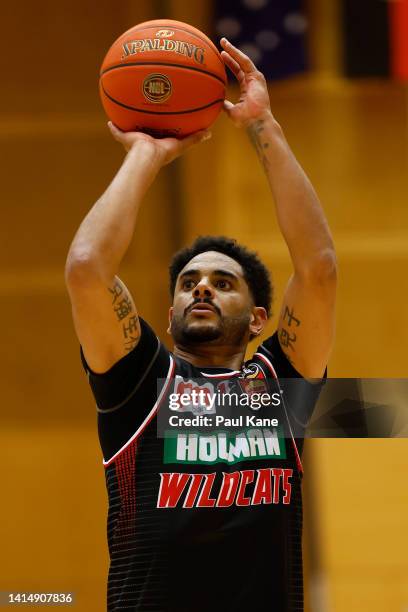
[{"x": 163, "y": 77}]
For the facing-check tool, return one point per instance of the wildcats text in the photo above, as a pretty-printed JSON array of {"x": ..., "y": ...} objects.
[{"x": 240, "y": 488}]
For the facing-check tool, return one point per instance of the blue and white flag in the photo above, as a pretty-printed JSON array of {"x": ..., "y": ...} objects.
[{"x": 271, "y": 32}]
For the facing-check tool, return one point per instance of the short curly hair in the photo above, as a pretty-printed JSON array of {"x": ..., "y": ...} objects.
[{"x": 256, "y": 274}]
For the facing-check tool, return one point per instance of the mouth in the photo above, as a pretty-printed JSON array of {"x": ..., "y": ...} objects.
[{"x": 202, "y": 309}]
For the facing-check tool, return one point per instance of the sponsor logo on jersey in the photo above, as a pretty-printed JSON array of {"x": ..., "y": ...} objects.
[
  {"x": 241, "y": 488},
  {"x": 253, "y": 381},
  {"x": 144, "y": 45},
  {"x": 202, "y": 396},
  {"x": 224, "y": 447},
  {"x": 252, "y": 370}
]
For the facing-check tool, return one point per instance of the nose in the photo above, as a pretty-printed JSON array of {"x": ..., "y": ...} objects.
[{"x": 203, "y": 290}]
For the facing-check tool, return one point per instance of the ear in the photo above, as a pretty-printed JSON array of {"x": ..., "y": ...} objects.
[
  {"x": 259, "y": 319},
  {"x": 170, "y": 318}
]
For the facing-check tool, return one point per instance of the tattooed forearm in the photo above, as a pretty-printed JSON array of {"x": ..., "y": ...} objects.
[{"x": 255, "y": 134}]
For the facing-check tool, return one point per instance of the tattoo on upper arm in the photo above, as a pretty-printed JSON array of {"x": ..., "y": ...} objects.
[
  {"x": 116, "y": 290},
  {"x": 255, "y": 135},
  {"x": 288, "y": 338},
  {"x": 130, "y": 333},
  {"x": 123, "y": 307},
  {"x": 290, "y": 316},
  {"x": 122, "y": 304}
]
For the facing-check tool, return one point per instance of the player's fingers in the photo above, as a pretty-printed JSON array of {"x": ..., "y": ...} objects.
[
  {"x": 243, "y": 60},
  {"x": 230, "y": 62},
  {"x": 120, "y": 136},
  {"x": 116, "y": 132},
  {"x": 228, "y": 108},
  {"x": 195, "y": 138},
  {"x": 233, "y": 66}
]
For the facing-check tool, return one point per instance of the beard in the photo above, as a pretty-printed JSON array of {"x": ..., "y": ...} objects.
[{"x": 226, "y": 330}]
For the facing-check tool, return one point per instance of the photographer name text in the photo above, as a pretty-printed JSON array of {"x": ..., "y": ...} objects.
[{"x": 221, "y": 421}]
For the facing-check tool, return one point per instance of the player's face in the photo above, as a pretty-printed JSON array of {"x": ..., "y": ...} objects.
[{"x": 212, "y": 302}]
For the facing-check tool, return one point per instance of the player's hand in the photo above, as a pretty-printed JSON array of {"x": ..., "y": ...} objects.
[
  {"x": 254, "y": 102},
  {"x": 164, "y": 150}
]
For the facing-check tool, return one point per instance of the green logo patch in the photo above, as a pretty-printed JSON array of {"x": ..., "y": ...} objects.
[{"x": 223, "y": 446}]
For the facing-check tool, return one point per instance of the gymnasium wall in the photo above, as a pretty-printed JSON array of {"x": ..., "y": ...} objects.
[{"x": 58, "y": 157}]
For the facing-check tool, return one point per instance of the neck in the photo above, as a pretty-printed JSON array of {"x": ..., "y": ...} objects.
[{"x": 210, "y": 356}]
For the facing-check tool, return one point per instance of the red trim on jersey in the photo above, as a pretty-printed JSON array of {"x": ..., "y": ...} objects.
[
  {"x": 272, "y": 369},
  {"x": 125, "y": 466},
  {"x": 150, "y": 416},
  {"x": 268, "y": 363},
  {"x": 398, "y": 20}
]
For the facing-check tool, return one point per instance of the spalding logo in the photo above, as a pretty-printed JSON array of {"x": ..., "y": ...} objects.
[
  {"x": 157, "y": 88},
  {"x": 164, "y": 33}
]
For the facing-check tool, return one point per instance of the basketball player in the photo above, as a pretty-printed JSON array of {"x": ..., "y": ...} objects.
[{"x": 206, "y": 520}]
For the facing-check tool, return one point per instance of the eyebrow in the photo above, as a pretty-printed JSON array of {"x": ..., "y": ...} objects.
[{"x": 218, "y": 272}]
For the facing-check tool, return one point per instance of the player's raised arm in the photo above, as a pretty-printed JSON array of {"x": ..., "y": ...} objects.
[
  {"x": 306, "y": 323},
  {"x": 103, "y": 310}
]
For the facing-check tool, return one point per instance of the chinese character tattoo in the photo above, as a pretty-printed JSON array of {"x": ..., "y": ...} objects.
[{"x": 290, "y": 317}]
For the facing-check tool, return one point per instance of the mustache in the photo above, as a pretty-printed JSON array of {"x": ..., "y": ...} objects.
[{"x": 203, "y": 301}]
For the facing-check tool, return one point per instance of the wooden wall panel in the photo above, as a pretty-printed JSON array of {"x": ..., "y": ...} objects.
[
  {"x": 361, "y": 509},
  {"x": 52, "y": 53},
  {"x": 56, "y": 511},
  {"x": 58, "y": 158}
]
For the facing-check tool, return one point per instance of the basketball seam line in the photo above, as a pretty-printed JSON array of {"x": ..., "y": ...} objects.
[
  {"x": 149, "y": 112},
  {"x": 164, "y": 64}
]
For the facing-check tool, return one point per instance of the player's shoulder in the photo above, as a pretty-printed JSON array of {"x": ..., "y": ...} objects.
[
  {"x": 135, "y": 373},
  {"x": 270, "y": 357}
]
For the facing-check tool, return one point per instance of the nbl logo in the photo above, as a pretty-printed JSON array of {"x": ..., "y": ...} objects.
[{"x": 157, "y": 88}]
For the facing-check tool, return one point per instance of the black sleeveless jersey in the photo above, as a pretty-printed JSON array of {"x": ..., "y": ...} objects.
[{"x": 201, "y": 520}]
